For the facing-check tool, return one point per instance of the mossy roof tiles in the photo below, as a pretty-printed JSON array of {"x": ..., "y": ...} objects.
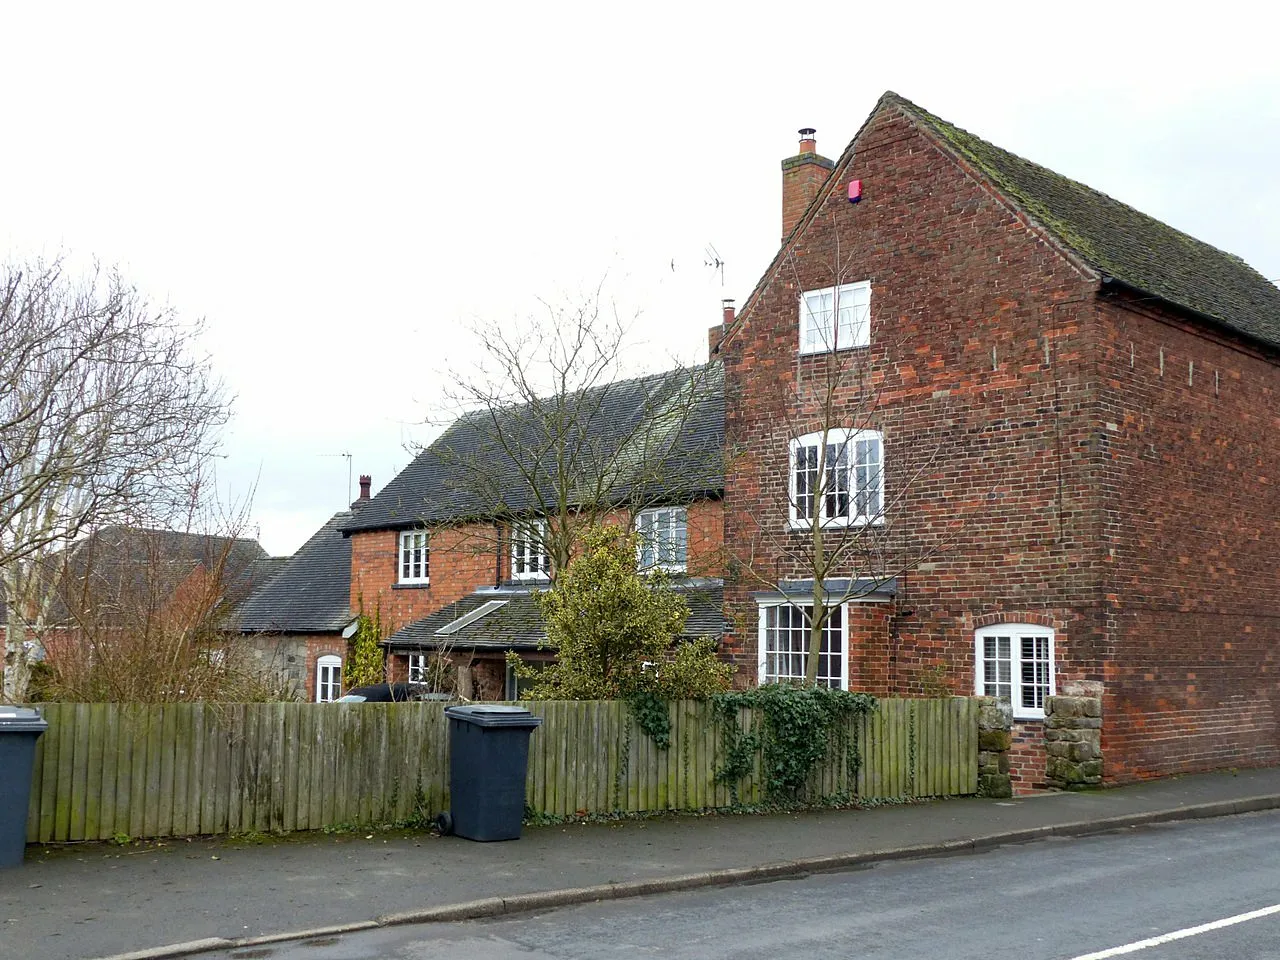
[{"x": 1118, "y": 241}]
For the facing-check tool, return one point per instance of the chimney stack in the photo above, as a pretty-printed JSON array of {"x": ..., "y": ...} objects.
[
  {"x": 720, "y": 329},
  {"x": 802, "y": 176},
  {"x": 366, "y": 482}
]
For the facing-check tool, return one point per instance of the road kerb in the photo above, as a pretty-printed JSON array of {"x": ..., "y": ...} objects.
[
  {"x": 1025, "y": 835},
  {"x": 447, "y": 912},
  {"x": 184, "y": 949},
  {"x": 312, "y": 934}
]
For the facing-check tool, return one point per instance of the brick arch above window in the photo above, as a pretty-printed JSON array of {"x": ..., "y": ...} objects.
[{"x": 1039, "y": 618}]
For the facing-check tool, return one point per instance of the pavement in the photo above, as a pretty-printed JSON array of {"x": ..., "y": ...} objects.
[{"x": 180, "y": 897}]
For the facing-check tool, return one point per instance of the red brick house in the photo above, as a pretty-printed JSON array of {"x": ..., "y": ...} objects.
[
  {"x": 1055, "y": 421},
  {"x": 451, "y": 550}
]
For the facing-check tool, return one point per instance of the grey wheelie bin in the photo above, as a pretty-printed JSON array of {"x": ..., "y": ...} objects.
[
  {"x": 489, "y": 758},
  {"x": 20, "y": 727}
]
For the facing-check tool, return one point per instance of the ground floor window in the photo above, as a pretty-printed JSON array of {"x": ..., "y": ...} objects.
[
  {"x": 1015, "y": 664},
  {"x": 517, "y": 685},
  {"x": 784, "y": 645},
  {"x": 418, "y": 668},
  {"x": 328, "y": 678}
]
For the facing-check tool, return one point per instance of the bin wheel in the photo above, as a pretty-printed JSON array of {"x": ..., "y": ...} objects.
[{"x": 444, "y": 823}]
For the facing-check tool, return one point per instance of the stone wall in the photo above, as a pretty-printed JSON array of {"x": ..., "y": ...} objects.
[
  {"x": 1073, "y": 736},
  {"x": 995, "y": 737}
]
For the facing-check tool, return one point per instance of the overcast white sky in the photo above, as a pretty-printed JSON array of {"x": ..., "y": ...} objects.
[{"x": 338, "y": 189}]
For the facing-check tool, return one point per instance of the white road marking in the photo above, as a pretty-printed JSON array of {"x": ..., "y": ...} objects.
[{"x": 1180, "y": 934}]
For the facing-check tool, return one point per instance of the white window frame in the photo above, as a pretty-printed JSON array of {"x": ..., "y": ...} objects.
[
  {"x": 419, "y": 664},
  {"x": 328, "y": 678},
  {"x": 835, "y": 318},
  {"x": 663, "y": 539},
  {"x": 860, "y": 483},
  {"x": 529, "y": 557},
  {"x": 414, "y": 557},
  {"x": 776, "y": 609},
  {"x": 1022, "y": 672}
]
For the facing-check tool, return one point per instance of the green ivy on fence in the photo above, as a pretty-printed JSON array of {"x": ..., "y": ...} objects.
[{"x": 792, "y": 731}]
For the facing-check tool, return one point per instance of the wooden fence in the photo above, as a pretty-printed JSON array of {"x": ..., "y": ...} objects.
[{"x": 109, "y": 770}]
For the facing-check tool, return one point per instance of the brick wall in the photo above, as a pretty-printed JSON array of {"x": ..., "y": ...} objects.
[
  {"x": 993, "y": 372},
  {"x": 317, "y": 646},
  {"x": 977, "y": 375},
  {"x": 1190, "y": 429},
  {"x": 464, "y": 559},
  {"x": 706, "y": 538}
]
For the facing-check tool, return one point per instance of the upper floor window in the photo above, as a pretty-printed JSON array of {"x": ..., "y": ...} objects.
[
  {"x": 529, "y": 557},
  {"x": 1015, "y": 664},
  {"x": 664, "y": 539},
  {"x": 835, "y": 318},
  {"x": 415, "y": 556},
  {"x": 838, "y": 478}
]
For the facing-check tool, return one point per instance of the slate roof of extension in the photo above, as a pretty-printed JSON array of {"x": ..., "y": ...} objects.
[
  {"x": 660, "y": 436},
  {"x": 312, "y": 591},
  {"x": 514, "y": 622},
  {"x": 1119, "y": 241}
]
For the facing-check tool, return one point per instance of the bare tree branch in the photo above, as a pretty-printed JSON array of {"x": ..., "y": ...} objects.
[
  {"x": 105, "y": 413},
  {"x": 549, "y": 430},
  {"x": 844, "y": 537}
]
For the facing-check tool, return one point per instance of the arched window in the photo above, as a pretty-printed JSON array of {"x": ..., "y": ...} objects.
[
  {"x": 328, "y": 678},
  {"x": 1015, "y": 664}
]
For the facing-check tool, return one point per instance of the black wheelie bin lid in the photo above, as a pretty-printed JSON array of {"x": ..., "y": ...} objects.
[
  {"x": 21, "y": 720},
  {"x": 492, "y": 715}
]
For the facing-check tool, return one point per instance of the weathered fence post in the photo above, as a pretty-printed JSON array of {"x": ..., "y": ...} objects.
[
  {"x": 995, "y": 738},
  {"x": 1073, "y": 736}
]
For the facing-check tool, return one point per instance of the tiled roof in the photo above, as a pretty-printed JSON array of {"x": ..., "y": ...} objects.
[
  {"x": 1118, "y": 241},
  {"x": 311, "y": 592},
  {"x": 122, "y": 562},
  {"x": 514, "y": 622},
  {"x": 657, "y": 437}
]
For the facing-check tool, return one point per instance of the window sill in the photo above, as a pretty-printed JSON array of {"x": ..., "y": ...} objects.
[
  {"x": 823, "y": 351},
  {"x": 835, "y": 524},
  {"x": 411, "y": 585}
]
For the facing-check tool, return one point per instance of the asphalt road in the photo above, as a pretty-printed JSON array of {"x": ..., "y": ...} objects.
[{"x": 1053, "y": 900}]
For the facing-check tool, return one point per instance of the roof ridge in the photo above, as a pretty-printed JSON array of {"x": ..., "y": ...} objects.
[{"x": 611, "y": 384}]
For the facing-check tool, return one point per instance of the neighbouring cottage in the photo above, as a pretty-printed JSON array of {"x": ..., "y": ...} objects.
[
  {"x": 118, "y": 589},
  {"x": 1047, "y": 424},
  {"x": 451, "y": 551},
  {"x": 299, "y": 622}
]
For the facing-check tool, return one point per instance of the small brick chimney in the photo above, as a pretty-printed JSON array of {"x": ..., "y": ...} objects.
[
  {"x": 366, "y": 482},
  {"x": 802, "y": 176},
  {"x": 720, "y": 329}
]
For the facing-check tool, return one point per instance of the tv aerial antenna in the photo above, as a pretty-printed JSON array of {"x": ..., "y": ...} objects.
[
  {"x": 349, "y": 459},
  {"x": 714, "y": 261}
]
